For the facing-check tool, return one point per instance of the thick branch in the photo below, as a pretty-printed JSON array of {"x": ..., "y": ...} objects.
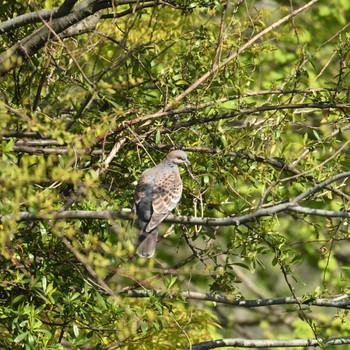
[
  {"x": 64, "y": 20},
  {"x": 38, "y": 16},
  {"x": 320, "y": 212},
  {"x": 263, "y": 343},
  {"x": 191, "y": 220},
  {"x": 253, "y": 303},
  {"x": 25, "y": 48},
  {"x": 185, "y": 220},
  {"x": 64, "y": 9}
]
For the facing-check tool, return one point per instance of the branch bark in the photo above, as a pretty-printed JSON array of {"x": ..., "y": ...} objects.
[
  {"x": 38, "y": 16},
  {"x": 64, "y": 9},
  {"x": 237, "y": 112},
  {"x": 27, "y": 47},
  {"x": 292, "y": 205},
  {"x": 185, "y": 220},
  {"x": 68, "y": 20},
  {"x": 253, "y": 303},
  {"x": 264, "y": 343}
]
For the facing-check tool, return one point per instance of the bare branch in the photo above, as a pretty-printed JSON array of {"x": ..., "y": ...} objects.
[
  {"x": 237, "y": 112},
  {"x": 320, "y": 212},
  {"x": 46, "y": 150},
  {"x": 263, "y": 343},
  {"x": 85, "y": 26},
  {"x": 185, "y": 220},
  {"x": 191, "y": 220},
  {"x": 253, "y": 303},
  {"x": 35, "y": 17},
  {"x": 321, "y": 185},
  {"x": 63, "y": 10},
  {"x": 25, "y": 48}
]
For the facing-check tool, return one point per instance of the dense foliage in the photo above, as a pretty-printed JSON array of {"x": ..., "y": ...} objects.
[{"x": 259, "y": 100}]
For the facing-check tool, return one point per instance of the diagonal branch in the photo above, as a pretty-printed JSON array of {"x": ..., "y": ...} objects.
[
  {"x": 217, "y": 67},
  {"x": 35, "y": 17},
  {"x": 64, "y": 9},
  {"x": 28, "y": 46},
  {"x": 321, "y": 185}
]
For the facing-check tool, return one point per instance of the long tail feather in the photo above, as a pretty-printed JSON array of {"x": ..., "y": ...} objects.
[{"x": 147, "y": 243}]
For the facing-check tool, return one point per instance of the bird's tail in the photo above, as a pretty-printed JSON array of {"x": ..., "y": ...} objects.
[{"x": 147, "y": 243}]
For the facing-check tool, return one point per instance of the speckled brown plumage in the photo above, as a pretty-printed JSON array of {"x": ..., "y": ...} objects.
[{"x": 157, "y": 194}]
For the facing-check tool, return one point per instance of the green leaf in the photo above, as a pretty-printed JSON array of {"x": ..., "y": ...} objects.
[
  {"x": 44, "y": 283},
  {"x": 158, "y": 137},
  {"x": 75, "y": 330},
  {"x": 21, "y": 336},
  {"x": 173, "y": 279}
]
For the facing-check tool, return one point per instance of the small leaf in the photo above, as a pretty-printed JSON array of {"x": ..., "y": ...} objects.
[
  {"x": 316, "y": 135},
  {"x": 172, "y": 281},
  {"x": 75, "y": 330},
  {"x": 20, "y": 337},
  {"x": 144, "y": 327},
  {"x": 158, "y": 138},
  {"x": 44, "y": 283}
]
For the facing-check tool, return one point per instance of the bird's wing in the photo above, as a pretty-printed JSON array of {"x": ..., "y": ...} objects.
[
  {"x": 143, "y": 195},
  {"x": 166, "y": 194}
]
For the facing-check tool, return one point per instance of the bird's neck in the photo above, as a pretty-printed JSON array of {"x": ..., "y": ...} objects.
[{"x": 170, "y": 163}]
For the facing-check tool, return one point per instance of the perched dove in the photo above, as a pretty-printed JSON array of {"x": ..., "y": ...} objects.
[{"x": 157, "y": 194}]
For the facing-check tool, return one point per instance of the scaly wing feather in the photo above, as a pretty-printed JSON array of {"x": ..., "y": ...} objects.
[{"x": 166, "y": 194}]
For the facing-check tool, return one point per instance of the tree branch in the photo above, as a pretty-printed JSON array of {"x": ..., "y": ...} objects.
[
  {"x": 38, "y": 16},
  {"x": 253, "y": 303},
  {"x": 320, "y": 186},
  {"x": 39, "y": 147},
  {"x": 216, "y": 117},
  {"x": 191, "y": 220},
  {"x": 217, "y": 67},
  {"x": 185, "y": 220},
  {"x": 264, "y": 343},
  {"x": 64, "y": 9},
  {"x": 28, "y": 46},
  {"x": 64, "y": 20},
  {"x": 319, "y": 212}
]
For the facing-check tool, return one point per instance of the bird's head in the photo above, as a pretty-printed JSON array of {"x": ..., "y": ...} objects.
[{"x": 178, "y": 157}]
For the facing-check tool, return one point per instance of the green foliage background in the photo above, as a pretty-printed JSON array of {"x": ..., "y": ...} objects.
[{"x": 64, "y": 110}]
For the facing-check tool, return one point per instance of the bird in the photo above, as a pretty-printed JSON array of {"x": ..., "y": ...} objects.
[{"x": 157, "y": 193}]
